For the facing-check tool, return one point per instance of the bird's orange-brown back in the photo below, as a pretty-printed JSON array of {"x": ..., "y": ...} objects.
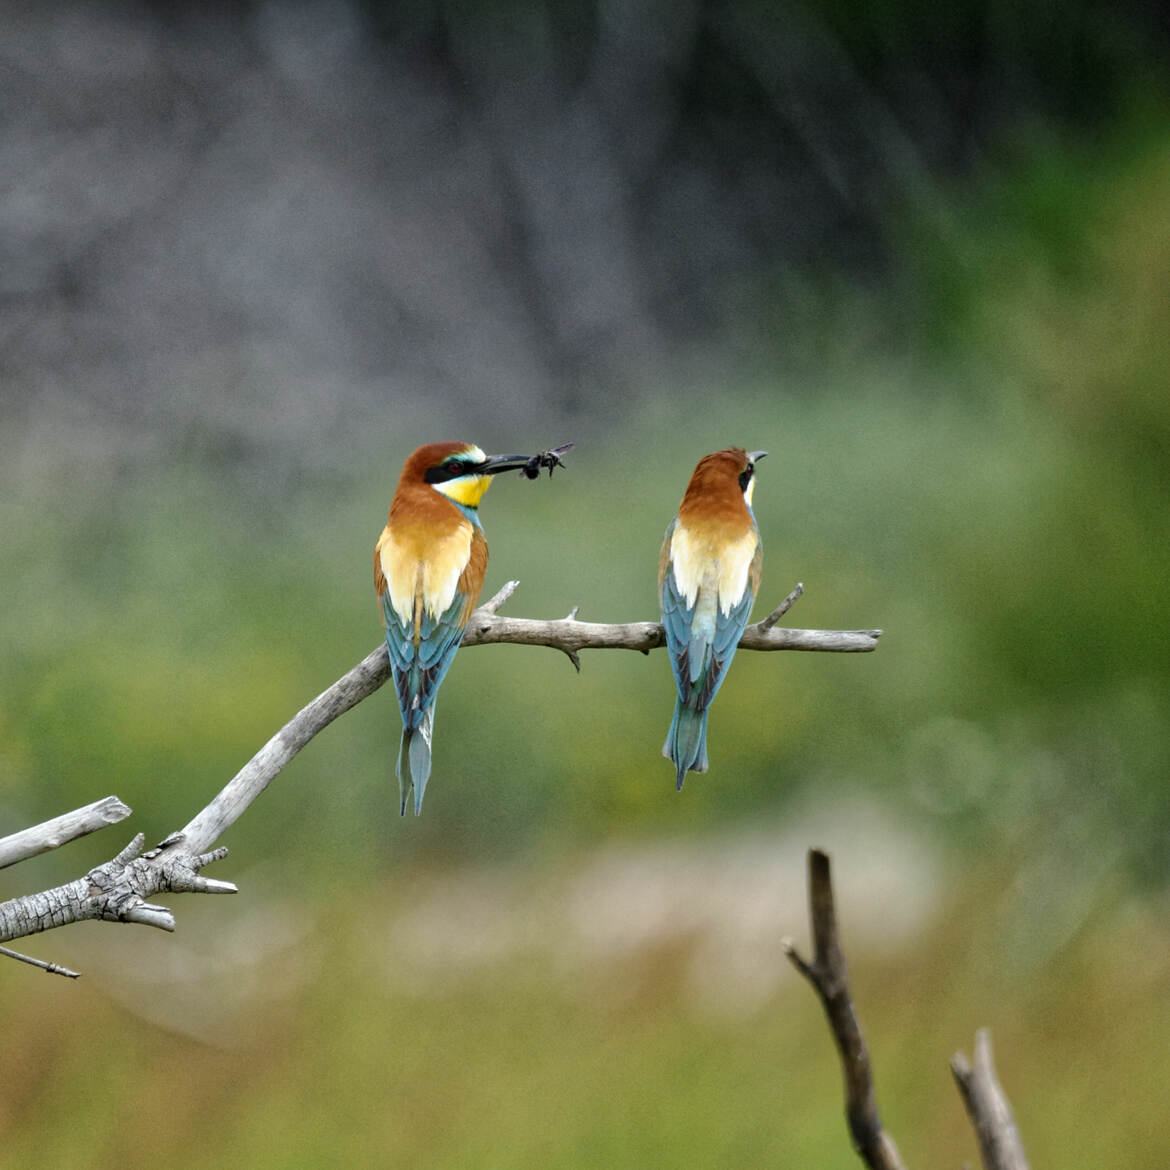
[{"x": 713, "y": 498}]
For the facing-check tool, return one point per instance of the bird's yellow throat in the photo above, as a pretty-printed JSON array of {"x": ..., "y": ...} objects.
[{"x": 466, "y": 490}]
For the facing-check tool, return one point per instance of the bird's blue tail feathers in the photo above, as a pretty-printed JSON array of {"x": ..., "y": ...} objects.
[
  {"x": 414, "y": 761},
  {"x": 686, "y": 741}
]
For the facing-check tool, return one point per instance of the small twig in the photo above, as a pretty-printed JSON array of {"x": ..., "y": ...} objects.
[
  {"x": 782, "y": 608},
  {"x": 493, "y": 606},
  {"x": 828, "y": 976},
  {"x": 987, "y": 1106},
  {"x": 56, "y": 832},
  {"x": 51, "y": 968}
]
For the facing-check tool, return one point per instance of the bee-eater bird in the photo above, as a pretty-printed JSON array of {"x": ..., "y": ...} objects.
[
  {"x": 429, "y": 565},
  {"x": 708, "y": 577}
]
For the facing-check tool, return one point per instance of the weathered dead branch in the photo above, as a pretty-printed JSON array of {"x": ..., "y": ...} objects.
[
  {"x": 987, "y": 1106},
  {"x": 829, "y": 979},
  {"x": 67, "y": 827},
  {"x": 117, "y": 891}
]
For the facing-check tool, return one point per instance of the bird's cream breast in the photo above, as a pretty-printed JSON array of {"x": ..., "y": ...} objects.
[{"x": 435, "y": 565}]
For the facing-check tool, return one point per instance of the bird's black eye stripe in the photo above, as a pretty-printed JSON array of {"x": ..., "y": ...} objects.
[
  {"x": 745, "y": 477},
  {"x": 448, "y": 469}
]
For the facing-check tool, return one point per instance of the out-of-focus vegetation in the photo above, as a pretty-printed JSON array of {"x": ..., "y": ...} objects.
[
  {"x": 562, "y": 962},
  {"x": 991, "y": 496}
]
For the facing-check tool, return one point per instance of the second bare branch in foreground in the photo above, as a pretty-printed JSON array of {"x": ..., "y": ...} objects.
[
  {"x": 826, "y": 972},
  {"x": 987, "y": 1105}
]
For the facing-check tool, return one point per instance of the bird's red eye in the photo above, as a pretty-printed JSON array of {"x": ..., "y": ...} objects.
[{"x": 453, "y": 465}]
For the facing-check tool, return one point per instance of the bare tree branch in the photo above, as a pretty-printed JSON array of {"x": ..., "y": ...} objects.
[
  {"x": 571, "y": 636},
  {"x": 829, "y": 979},
  {"x": 50, "y": 968},
  {"x": 118, "y": 890},
  {"x": 247, "y": 784},
  {"x": 115, "y": 892},
  {"x": 67, "y": 827},
  {"x": 484, "y": 627},
  {"x": 987, "y": 1106}
]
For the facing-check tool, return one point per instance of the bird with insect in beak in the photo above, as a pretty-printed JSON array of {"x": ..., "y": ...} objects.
[
  {"x": 708, "y": 577},
  {"x": 429, "y": 566}
]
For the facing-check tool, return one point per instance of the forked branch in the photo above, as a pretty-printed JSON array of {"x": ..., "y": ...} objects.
[
  {"x": 987, "y": 1106},
  {"x": 114, "y": 892}
]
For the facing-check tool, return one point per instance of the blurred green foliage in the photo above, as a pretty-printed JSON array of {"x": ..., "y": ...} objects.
[{"x": 991, "y": 489}]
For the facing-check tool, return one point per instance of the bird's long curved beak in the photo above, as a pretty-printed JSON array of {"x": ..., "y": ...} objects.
[
  {"x": 756, "y": 456},
  {"x": 494, "y": 464}
]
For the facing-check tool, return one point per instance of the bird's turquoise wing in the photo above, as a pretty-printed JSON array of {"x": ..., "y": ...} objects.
[
  {"x": 729, "y": 629},
  {"x": 419, "y": 672},
  {"x": 677, "y": 616},
  {"x": 701, "y": 650}
]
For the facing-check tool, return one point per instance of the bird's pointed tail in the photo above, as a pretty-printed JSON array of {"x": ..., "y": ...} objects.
[
  {"x": 414, "y": 761},
  {"x": 686, "y": 741}
]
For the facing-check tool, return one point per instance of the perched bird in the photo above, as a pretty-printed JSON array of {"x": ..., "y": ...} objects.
[
  {"x": 708, "y": 577},
  {"x": 429, "y": 565}
]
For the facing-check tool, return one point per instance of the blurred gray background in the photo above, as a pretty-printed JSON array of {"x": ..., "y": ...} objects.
[{"x": 260, "y": 229}]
